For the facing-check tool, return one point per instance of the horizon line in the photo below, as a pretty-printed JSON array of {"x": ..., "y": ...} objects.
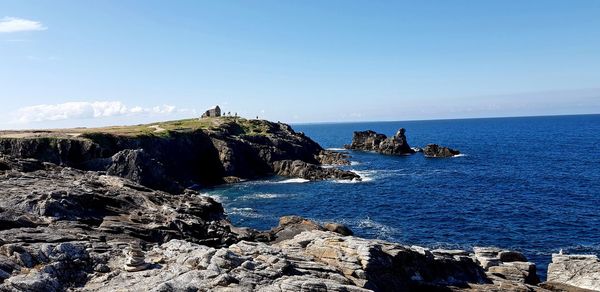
[{"x": 446, "y": 119}]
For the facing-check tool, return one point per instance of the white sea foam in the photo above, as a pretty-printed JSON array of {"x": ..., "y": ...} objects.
[
  {"x": 336, "y": 149},
  {"x": 354, "y": 163},
  {"x": 346, "y": 181},
  {"x": 365, "y": 175},
  {"x": 381, "y": 230},
  {"x": 219, "y": 198},
  {"x": 460, "y": 155},
  {"x": 245, "y": 212},
  {"x": 260, "y": 196},
  {"x": 293, "y": 181}
]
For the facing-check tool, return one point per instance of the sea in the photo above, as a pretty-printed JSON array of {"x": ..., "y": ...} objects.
[{"x": 530, "y": 184}]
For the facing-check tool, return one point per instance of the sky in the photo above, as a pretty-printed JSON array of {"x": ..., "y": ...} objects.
[{"x": 93, "y": 63}]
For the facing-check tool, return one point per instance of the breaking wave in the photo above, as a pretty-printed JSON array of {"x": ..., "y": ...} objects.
[
  {"x": 336, "y": 149},
  {"x": 293, "y": 181}
]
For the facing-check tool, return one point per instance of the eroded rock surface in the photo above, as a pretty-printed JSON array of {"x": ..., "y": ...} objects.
[
  {"x": 581, "y": 271},
  {"x": 310, "y": 261},
  {"x": 506, "y": 264}
]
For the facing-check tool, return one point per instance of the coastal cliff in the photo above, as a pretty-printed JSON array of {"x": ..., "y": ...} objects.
[{"x": 177, "y": 155}]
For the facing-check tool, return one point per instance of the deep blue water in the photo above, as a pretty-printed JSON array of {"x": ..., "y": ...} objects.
[{"x": 529, "y": 184}]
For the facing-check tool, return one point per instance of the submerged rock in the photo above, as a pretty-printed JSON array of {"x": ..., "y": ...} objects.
[
  {"x": 437, "y": 151},
  {"x": 372, "y": 141}
]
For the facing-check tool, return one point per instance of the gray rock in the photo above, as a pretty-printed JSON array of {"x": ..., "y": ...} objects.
[
  {"x": 328, "y": 157},
  {"x": 581, "y": 271},
  {"x": 510, "y": 265},
  {"x": 338, "y": 228},
  {"x": 301, "y": 169}
]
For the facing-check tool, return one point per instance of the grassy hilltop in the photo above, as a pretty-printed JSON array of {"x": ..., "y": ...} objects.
[{"x": 247, "y": 126}]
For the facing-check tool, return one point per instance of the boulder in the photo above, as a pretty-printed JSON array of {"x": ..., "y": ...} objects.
[
  {"x": 509, "y": 265},
  {"x": 338, "y": 228},
  {"x": 290, "y": 226},
  {"x": 437, "y": 151},
  {"x": 581, "y": 271}
]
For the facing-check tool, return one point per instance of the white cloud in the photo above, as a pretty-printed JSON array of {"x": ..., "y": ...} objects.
[
  {"x": 14, "y": 24},
  {"x": 84, "y": 110}
]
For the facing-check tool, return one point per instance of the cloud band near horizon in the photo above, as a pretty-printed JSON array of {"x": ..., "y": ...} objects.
[{"x": 86, "y": 110}]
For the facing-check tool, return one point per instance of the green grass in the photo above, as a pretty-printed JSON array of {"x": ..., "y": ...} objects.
[
  {"x": 241, "y": 126},
  {"x": 159, "y": 128}
]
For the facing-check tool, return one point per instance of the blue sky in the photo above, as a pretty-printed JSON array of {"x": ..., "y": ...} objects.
[{"x": 89, "y": 63}]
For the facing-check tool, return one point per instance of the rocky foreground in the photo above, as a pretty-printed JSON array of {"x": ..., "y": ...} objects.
[{"x": 64, "y": 228}]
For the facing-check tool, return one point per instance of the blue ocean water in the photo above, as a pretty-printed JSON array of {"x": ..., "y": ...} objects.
[{"x": 529, "y": 184}]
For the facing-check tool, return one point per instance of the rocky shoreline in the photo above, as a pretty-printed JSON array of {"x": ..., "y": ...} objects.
[{"x": 83, "y": 214}]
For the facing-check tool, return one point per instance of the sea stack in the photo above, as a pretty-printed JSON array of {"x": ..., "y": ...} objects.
[{"x": 373, "y": 141}]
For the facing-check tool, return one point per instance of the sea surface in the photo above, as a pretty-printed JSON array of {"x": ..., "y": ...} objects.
[{"x": 530, "y": 184}]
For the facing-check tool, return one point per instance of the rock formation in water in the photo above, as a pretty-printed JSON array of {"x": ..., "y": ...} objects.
[
  {"x": 372, "y": 141},
  {"x": 437, "y": 151},
  {"x": 397, "y": 145}
]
